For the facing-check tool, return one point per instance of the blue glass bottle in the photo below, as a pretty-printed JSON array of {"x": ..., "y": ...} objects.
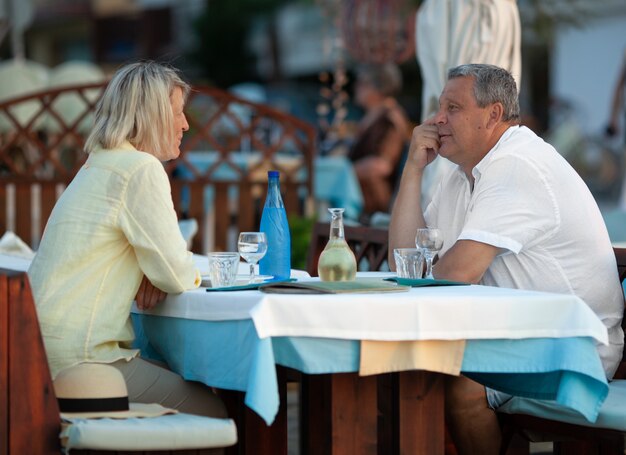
[{"x": 277, "y": 260}]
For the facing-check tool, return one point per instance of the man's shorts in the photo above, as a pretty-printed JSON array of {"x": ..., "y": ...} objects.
[{"x": 495, "y": 399}]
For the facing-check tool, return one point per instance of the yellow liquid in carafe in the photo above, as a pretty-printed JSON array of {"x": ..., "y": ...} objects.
[{"x": 337, "y": 262}]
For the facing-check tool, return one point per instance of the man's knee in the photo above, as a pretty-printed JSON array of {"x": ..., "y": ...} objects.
[{"x": 464, "y": 395}]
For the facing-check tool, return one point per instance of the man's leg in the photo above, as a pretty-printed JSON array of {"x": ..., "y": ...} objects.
[{"x": 472, "y": 423}]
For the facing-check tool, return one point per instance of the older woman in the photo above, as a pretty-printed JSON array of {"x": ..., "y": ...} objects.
[
  {"x": 113, "y": 235},
  {"x": 382, "y": 136}
]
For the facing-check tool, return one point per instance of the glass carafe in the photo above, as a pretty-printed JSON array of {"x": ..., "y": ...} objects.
[{"x": 337, "y": 261}]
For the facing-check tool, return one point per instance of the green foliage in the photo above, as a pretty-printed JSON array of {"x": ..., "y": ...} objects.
[{"x": 300, "y": 228}]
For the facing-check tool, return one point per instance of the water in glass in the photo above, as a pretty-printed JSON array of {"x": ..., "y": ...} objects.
[
  {"x": 430, "y": 241},
  {"x": 252, "y": 247}
]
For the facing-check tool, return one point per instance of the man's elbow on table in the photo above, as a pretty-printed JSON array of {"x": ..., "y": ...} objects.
[{"x": 466, "y": 261}]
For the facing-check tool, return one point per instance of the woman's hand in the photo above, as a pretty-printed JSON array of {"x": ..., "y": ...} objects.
[{"x": 148, "y": 295}]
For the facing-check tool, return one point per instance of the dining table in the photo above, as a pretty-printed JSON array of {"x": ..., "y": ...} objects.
[{"x": 525, "y": 343}]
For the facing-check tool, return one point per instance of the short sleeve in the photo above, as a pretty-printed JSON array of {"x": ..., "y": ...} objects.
[
  {"x": 150, "y": 224},
  {"x": 513, "y": 206}
]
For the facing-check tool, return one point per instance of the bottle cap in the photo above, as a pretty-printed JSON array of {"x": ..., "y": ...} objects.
[{"x": 273, "y": 174}]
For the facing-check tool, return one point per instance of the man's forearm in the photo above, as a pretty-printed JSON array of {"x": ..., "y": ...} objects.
[{"x": 407, "y": 214}]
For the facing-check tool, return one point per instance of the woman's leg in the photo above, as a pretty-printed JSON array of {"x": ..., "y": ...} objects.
[{"x": 150, "y": 383}]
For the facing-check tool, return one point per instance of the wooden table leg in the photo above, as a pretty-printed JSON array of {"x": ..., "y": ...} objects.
[
  {"x": 354, "y": 415},
  {"x": 253, "y": 434},
  {"x": 421, "y": 413},
  {"x": 339, "y": 414}
]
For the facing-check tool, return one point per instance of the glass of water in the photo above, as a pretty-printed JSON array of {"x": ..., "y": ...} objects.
[
  {"x": 409, "y": 262},
  {"x": 252, "y": 247},
  {"x": 430, "y": 241},
  {"x": 223, "y": 269}
]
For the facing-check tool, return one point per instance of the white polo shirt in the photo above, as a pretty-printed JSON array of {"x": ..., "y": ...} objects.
[{"x": 528, "y": 201}]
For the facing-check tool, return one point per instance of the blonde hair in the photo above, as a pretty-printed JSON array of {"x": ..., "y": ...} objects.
[{"x": 136, "y": 107}]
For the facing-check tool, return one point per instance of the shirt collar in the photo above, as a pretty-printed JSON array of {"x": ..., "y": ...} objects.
[
  {"x": 478, "y": 169},
  {"x": 124, "y": 145}
]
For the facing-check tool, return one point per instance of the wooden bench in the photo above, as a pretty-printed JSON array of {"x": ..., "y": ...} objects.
[
  {"x": 36, "y": 163},
  {"x": 29, "y": 414}
]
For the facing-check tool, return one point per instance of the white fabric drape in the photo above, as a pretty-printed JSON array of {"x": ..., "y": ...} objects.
[{"x": 453, "y": 32}]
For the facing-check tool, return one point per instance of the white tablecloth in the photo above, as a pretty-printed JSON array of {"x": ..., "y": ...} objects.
[
  {"x": 16, "y": 263},
  {"x": 448, "y": 313}
]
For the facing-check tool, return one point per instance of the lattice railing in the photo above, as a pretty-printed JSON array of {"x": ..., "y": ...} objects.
[{"x": 219, "y": 179}]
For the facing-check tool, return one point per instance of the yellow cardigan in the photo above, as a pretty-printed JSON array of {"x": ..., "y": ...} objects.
[{"x": 114, "y": 223}]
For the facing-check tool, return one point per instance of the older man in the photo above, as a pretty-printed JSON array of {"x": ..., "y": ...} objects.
[{"x": 513, "y": 213}]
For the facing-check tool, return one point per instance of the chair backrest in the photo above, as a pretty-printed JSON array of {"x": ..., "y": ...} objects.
[
  {"x": 620, "y": 257},
  {"x": 29, "y": 413},
  {"x": 368, "y": 244},
  {"x": 220, "y": 178}
]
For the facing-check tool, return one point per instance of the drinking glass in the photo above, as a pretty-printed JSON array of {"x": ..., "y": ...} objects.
[
  {"x": 223, "y": 269},
  {"x": 252, "y": 247},
  {"x": 430, "y": 241},
  {"x": 408, "y": 262}
]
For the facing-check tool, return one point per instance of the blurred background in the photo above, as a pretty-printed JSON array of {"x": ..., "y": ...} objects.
[{"x": 301, "y": 57}]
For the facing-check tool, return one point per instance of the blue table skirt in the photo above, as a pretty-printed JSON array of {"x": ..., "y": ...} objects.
[{"x": 230, "y": 355}]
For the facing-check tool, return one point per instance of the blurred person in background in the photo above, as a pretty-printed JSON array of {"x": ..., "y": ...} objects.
[
  {"x": 113, "y": 237},
  {"x": 382, "y": 135}
]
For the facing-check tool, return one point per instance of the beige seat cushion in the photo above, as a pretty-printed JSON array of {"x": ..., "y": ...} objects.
[{"x": 168, "y": 432}]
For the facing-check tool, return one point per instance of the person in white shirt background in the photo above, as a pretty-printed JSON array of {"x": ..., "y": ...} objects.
[{"x": 513, "y": 213}]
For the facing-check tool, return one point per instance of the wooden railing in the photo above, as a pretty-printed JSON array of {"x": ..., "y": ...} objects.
[{"x": 41, "y": 149}]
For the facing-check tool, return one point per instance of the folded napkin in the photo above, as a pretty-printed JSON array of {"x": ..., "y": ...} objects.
[
  {"x": 12, "y": 245},
  {"x": 441, "y": 356},
  {"x": 421, "y": 282},
  {"x": 360, "y": 285},
  {"x": 247, "y": 286}
]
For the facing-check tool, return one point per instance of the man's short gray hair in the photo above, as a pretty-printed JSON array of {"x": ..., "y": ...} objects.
[
  {"x": 136, "y": 107},
  {"x": 492, "y": 84}
]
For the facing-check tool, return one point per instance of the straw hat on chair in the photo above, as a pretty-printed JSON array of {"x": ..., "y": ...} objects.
[
  {"x": 97, "y": 415},
  {"x": 95, "y": 390}
]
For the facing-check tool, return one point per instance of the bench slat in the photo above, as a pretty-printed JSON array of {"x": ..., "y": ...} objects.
[
  {"x": 23, "y": 212},
  {"x": 4, "y": 366},
  {"x": 48, "y": 199}
]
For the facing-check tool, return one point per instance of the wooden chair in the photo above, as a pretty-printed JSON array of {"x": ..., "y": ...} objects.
[
  {"x": 369, "y": 245},
  {"x": 29, "y": 413},
  {"x": 571, "y": 438}
]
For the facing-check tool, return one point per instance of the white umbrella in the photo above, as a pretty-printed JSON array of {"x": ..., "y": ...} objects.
[
  {"x": 453, "y": 32},
  {"x": 70, "y": 106},
  {"x": 18, "y": 78}
]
